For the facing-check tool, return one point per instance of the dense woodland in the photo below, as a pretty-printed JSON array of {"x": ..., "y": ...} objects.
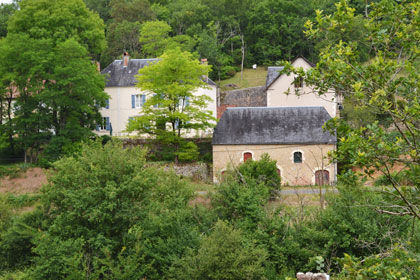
[
  {"x": 225, "y": 32},
  {"x": 107, "y": 212}
]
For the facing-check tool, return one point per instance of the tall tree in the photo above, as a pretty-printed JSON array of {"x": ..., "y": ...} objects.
[
  {"x": 388, "y": 85},
  {"x": 124, "y": 28},
  {"x": 173, "y": 107},
  {"x": 47, "y": 57}
]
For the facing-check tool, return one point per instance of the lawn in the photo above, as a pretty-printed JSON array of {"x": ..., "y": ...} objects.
[{"x": 251, "y": 78}]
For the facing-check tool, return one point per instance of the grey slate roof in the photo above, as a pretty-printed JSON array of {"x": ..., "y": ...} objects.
[
  {"x": 272, "y": 125},
  {"x": 119, "y": 76},
  {"x": 272, "y": 74}
]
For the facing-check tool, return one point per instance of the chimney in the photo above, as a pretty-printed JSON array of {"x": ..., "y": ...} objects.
[
  {"x": 126, "y": 58},
  {"x": 204, "y": 61}
]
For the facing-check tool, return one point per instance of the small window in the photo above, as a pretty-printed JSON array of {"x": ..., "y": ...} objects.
[
  {"x": 247, "y": 156},
  {"x": 105, "y": 124},
  {"x": 138, "y": 100},
  {"x": 298, "y": 82},
  {"x": 297, "y": 157},
  {"x": 107, "y": 104}
]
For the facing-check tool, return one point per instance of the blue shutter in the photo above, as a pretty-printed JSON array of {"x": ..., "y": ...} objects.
[
  {"x": 143, "y": 99},
  {"x": 108, "y": 127},
  {"x": 133, "y": 101},
  {"x": 155, "y": 106},
  {"x": 176, "y": 124},
  {"x": 187, "y": 100},
  {"x": 107, "y": 104},
  {"x": 97, "y": 127}
]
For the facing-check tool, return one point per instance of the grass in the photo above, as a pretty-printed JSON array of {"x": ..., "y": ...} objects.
[
  {"x": 251, "y": 78},
  {"x": 13, "y": 170}
]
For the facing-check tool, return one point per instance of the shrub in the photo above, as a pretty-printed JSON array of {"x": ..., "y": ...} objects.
[
  {"x": 263, "y": 170},
  {"x": 397, "y": 263},
  {"x": 227, "y": 72},
  {"x": 188, "y": 152},
  {"x": 224, "y": 254},
  {"x": 241, "y": 203}
]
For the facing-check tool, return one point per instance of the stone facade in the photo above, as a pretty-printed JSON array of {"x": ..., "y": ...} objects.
[
  {"x": 314, "y": 158},
  {"x": 247, "y": 97}
]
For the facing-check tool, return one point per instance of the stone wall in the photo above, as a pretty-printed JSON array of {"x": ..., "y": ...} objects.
[
  {"x": 312, "y": 276},
  {"x": 198, "y": 171},
  {"x": 247, "y": 97}
]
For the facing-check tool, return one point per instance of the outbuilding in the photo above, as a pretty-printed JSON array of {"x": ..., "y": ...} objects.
[{"x": 293, "y": 136}]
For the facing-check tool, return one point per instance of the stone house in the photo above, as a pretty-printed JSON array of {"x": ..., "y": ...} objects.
[
  {"x": 293, "y": 136},
  {"x": 126, "y": 100}
]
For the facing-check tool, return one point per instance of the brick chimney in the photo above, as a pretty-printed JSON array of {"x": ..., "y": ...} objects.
[{"x": 126, "y": 58}]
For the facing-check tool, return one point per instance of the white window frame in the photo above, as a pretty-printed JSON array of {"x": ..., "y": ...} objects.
[
  {"x": 242, "y": 156},
  {"x": 293, "y": 157}
]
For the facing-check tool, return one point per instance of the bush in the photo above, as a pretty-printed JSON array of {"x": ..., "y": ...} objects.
[
  {"x": 402, "y": 178},
  {"x": 241, "y": 203},
  {"x": 263, "y": 171},
  {"x": 93, "y": 201},
  {"x": 227, "y": 72},
  {"x": 397, "y": 263},
  {"x": 224, "y": 254},
  {"x": 188, "y": 152}
]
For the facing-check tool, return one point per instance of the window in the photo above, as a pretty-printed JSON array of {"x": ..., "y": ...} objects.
[
  {"x": 298, "y": 82},
  {"x": 107, "y": 104},
  {"x": 247, "y": 156},
  {"x": 297, "y": 157},
  {"x": 138, "y": 100},
  {"x": 322, "y": 177},
  {"x": 104, "y": 125}
]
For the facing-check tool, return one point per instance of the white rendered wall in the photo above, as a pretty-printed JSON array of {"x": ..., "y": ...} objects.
[
  {"x": 120, "y": 108},
  {"x": 276, "y": 96}
]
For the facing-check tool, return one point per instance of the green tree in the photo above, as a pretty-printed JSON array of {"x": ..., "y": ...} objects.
[
  {"x": 6, "y": 10},
  {"x": 47, "y": 40},
  {"x": 388, "y": 85},
  {"x": 154, "y": 37},
  {"x": 123, "y": 31},
  {"x": 172, "y": 107}
]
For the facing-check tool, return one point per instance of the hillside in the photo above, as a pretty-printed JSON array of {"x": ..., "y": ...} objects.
[{"x": 251, "y": 78}]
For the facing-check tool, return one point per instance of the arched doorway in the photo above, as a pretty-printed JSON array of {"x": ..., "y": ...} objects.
[{"x": 322, "y": 177}]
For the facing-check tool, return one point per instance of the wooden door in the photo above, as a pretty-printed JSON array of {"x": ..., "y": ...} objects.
[{"x": 322, "y": 177}]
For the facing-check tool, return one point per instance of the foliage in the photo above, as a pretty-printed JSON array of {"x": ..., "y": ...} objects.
[
  {"x": 54, "y": 101},
  {"x": 241, "y": 202},
  {"x": 397, "y": 263},
  {"x": 188, "y": 152},
  {"x": 387, "y": 85},
  {"x": 171, "y": 83},
  {"x": 264, "y": 171},
  {"x": 102, "y": 200},
  {"x": 223, "y": 254}
]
